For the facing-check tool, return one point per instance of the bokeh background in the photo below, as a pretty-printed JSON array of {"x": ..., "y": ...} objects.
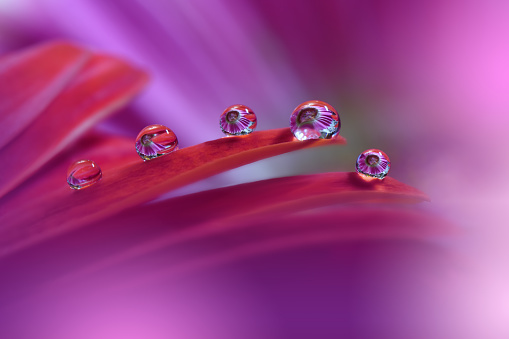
[{"x": 426, "y": 81}]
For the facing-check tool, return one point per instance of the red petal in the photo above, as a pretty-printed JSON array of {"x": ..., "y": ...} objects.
[
  {"x": 225, "y": 211},
  {"x": 289, "y": 194},
  {"x": 213, "y": 243},
  {"x": 101, "y": 87},
  {"x": 30, "y": 80},
  {"x": 219, "y": 212},
  {"x": 38, "y": 215},
  {"x": 240, "y": 239}
]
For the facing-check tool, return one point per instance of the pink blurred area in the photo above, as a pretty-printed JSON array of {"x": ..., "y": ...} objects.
[
  {"x": 285, "y": 277},
  {"x": 425, "y": 81}
]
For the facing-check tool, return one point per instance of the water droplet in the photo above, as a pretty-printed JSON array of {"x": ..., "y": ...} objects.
[
  {"x": 154, "y": 141},
  {"x": 373, "y": 163},
  {"x": 314, "y": 120},
  {"x": 237, "y": 120},
  {"x": 83, "y": 173}
]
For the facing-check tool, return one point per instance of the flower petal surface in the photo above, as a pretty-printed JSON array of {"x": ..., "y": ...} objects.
[
  {"x": 102, "y": 86},
  {"x": 60, "y": 209},
  {"x": 31, "y": 79},
  {"x": 336, "y": 199}
]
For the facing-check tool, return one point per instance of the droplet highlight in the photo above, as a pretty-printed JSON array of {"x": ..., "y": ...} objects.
[
  {"x": 373, "y": 163},
  {"x": 154, "y": 141},
  {"x": 314, "y": 120},
  {"x": 237, "y": 120},
  {"x": 83, "y": 173}
]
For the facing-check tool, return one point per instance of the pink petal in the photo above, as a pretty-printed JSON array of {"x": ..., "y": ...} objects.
[
  {"x": 34, "y": 215},
  {"x": 100, "y": 88},
  {"x": 235, "y": 240},
  {"x": 31, "y": 79},
  {"x": 231, "y": 210},
  {"x": 338, "y": 244}
]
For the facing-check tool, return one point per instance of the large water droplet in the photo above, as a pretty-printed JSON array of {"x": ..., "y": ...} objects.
[
  {"x": 154, "y": 141},
  {"x": 83, "y": 173},
  {"x": 237, "y": 120},
  {"x": 314, "y": 120},
  {"x": 373, "y": 163}
]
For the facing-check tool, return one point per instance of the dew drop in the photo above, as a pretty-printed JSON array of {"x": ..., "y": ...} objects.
[
  {"x": 373, "y": 163},
  {"x": 154, "y": 141},
  {"x": 237, "y": 120},
  {"x": 314, "y": 120},
  {"x": 83, "y": 173}
]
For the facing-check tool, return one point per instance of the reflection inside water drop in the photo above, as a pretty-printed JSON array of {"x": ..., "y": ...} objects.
[
  {"x": 83, "y": 173},
  {"x": 237, "y": 120},
  {"x": 314, "y": 120},
  {"x": 373, "y": 163},
  {"x": 154, "y": 141}
]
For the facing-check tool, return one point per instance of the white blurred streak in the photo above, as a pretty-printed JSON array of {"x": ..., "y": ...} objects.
[
  {"x": 13, "y": 7},
  {"x": 489, "y": 301}
]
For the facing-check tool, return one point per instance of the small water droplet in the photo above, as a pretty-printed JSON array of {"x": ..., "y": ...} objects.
[
  {"x": 373, "y": 163},
  {"x": 83, "y": 173},
  {"x": 314, "y": 120},
  {"x": 237, "y": 120},
  {"x": 154, "y": 141}
]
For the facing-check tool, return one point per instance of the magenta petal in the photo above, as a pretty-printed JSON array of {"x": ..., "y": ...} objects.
[
  {"x": 101, "y": 87},
  {"x": 222, "y": 242},
  {"x": 30, "y": 80},
  {"x": 137, "y": 232},
  {"x": 133, "y": 184},
  {"x": 337, "y": 253}
]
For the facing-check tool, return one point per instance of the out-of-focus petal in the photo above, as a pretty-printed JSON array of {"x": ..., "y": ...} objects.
[
  {"x": 370, "y": 261},
  {"x": 108, "y": 151},
  {"x": 215, "y": 213},
  {"x": 103, "y": 85},
  {"x": 31, "y": 79},
  {"x": 175, "y": 222},
  {"x": 29, "y": 219},
  {"x": 233, "y": 240},
  {"x": 290, "y": 194}
]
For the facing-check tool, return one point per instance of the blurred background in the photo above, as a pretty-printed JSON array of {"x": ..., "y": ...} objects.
[{"x": 425, "y": 81}]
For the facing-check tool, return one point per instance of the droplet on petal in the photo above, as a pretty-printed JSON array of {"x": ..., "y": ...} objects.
[
  {"x": 373, "y": 163},
  {"x": 154, "y": 141},
  {"x": 83, "y": 173},
  {"x": 314, "y": 120},
  {"x": 237, "y": 120}
]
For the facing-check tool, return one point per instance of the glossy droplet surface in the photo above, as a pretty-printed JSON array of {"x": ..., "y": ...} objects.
[
  {"x": 154, "y": 141},
  {"x": 237, "y": 120},
  {"x": 314, "y": 120},
  {"x": 83, "y": 173},
  {"x": 373, "y": 163}
]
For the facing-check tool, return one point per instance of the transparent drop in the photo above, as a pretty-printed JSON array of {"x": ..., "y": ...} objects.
[
  {"x": 314, "y": 120},
  {"x": 237, "y": 120},
  {"x": 154, "y": 141},
  {"x": 83, "y": 173},
  {"x": 373, "y": 163}
]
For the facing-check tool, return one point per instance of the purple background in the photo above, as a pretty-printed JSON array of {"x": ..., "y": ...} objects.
[{"x": 425, "y": 81}]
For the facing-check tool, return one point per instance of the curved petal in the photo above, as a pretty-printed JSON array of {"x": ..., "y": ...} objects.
[
  {"x": 61, "y": 209},
  {"x": 149, "y": 228},
  {"x": 223, "y": 211},
  {"x": 342, "y": 248},
  {"x": 262, "y": 236},
  {"x": 102, "y": 86},
  {"x": 69, "y": 258},
  {"x": 287, "y": 194},
  {"x": 31, "y": 79},
  {"x": 108, "y": 151}
]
